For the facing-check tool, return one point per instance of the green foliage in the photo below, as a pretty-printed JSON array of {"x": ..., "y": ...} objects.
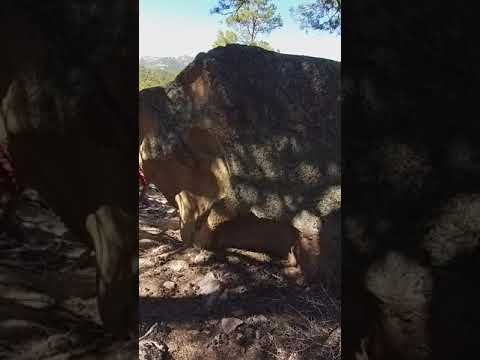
[
  {"x": 228, "y": 7},
  {"x": 230, "y": 37},
  {"x": 263, "y": 44},
  {"x": 225, "y": 38},
  {"x": 249, "y": 18},
  {"x": 320, "y": 15},
  {"x": 154, "y": 77},
  {"x": 324, "y": 15}
]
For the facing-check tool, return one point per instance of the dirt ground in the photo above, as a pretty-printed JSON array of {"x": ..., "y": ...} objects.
[
  {"x": 47, "y": 292},
  {"x": 196, "y": 304}
]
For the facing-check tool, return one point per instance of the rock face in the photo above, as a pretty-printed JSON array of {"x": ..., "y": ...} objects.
[
  {"x": 67, "y": 126},
  {"x": 247, "y": 132}
]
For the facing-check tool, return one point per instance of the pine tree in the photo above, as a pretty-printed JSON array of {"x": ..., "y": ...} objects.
[
  {"x": 250, "y": 19},
  {"x": 319, "y": 15}
]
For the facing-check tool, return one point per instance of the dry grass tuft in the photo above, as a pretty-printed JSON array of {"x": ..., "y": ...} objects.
[{"x": 311, "y": 330}]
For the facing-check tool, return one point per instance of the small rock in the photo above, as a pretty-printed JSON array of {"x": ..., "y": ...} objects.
[
  {"x": 169, "y": 285},
  {"x": 256, "y": 319},
  {"x": 229, "y": 325},
  {"x": 233, "y": 259},
  {"x": 202, "y": 258},
  {"x": 177, "y": 265},
  {"x": 208, "y": 284},
  {"x": 152, "y": 350}
]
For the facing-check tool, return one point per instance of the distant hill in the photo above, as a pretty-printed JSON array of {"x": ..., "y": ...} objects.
[
  {"x": 169, "y": 64},
  {"x": 159, "y": 71},
  {"x": 153, "y": 77}
]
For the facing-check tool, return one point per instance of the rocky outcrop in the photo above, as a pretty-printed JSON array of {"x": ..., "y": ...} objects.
[
  {"x": 67, "y": 126},
  {"x": 244, "y": 132}
]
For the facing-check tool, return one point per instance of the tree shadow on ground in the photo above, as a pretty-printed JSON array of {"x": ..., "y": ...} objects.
[{"x": 258, "y": 300}]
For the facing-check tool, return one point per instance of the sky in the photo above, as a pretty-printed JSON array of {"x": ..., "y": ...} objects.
[{"x": 186, "y": 27}]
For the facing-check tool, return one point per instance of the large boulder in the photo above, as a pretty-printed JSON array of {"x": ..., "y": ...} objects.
[
  {"x": 247, "y": 132},
  {"x": 68, "y": 128}
]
